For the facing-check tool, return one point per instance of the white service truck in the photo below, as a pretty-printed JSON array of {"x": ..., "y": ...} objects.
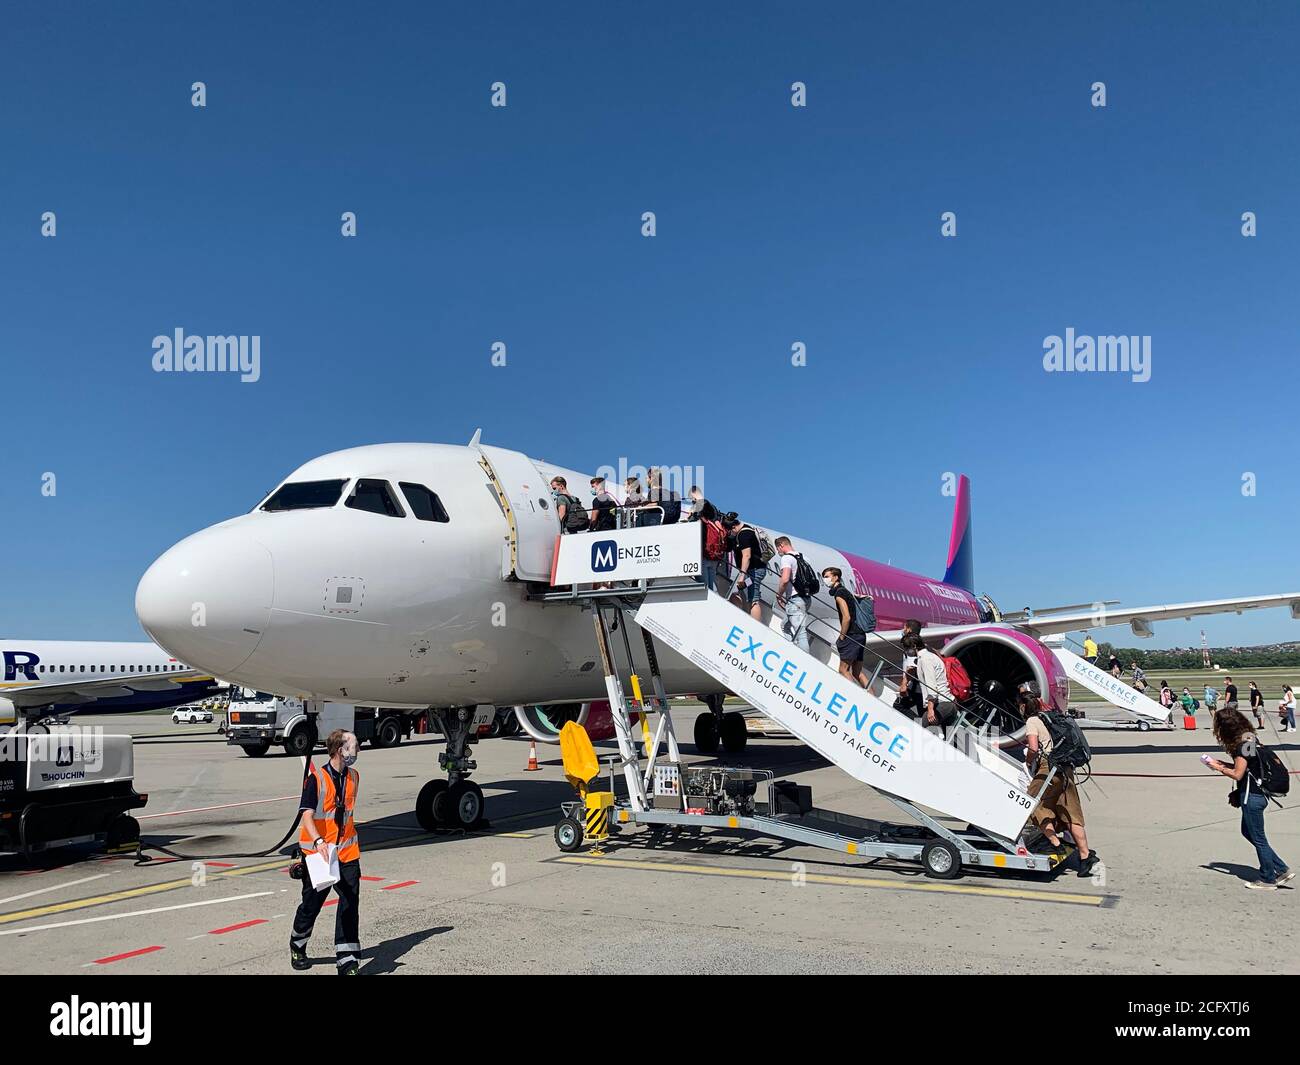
[{"x": 257, "y": 720}]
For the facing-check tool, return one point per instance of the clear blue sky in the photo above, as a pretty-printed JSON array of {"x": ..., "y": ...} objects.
[{"x": 775, "y": 225}]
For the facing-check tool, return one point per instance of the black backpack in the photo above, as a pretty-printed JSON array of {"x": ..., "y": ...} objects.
[
  {"x": 575, "y": 514},
  {"x": 672, "y": 504},
  {"x": 866, "y": 613},
  {"x": 805, "y": 580},
  {"x": 1070, "y": 749},
  {"x": 1274, "y": 778}
]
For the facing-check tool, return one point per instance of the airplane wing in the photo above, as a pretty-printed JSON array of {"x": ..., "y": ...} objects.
[
  {"x": 1139, "y": 619},
  {"x": 38, "y": 695}
]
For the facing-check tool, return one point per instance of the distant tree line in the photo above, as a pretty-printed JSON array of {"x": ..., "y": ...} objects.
[{"x": 1190, "y": 657}]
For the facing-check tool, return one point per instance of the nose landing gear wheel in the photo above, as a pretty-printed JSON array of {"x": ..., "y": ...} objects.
[
  {"x": 431, "y": 809},
  {"x": 706, "y": 734},
  {"x": 568, "y": 835},
  {"x": 941, "y": 860},
  {"x": 734, "y": 734},
  {"x": 465, "y": 804}
]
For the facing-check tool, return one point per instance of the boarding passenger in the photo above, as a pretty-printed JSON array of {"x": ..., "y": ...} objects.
[
  {"x": 1233, "y": 731},
  {"x": 634, "y": 498},
  {"x": 329, "y": 797},
  {"x": 569, "y": 508},
  {"x": 1089, "y": 649},
  {"x": 1230, "y": 696},
  {"x": 1139, "y": 677},
  {"x": 665, "y": 498},
  {"x": 794, "y": 593},
  {"x": 747, "y": 553},
  {"x": 701, "y": 508},
  {"x": 912, "y": 627},
  {"x": 1116, "y": 670},
  {"x": 932, "y": 674},
  {"x": 1189, "y": 703},
  {"x": 851, "y": 644},
  {"x": 1257, "y": 703},
  {"x": 1286, "y": 709},
  {"x": 1211, "y": 699},
  {"x": 604, "y": 507},
  {"x": 1060, "y": 807},
  {"x": 1166, "y": 695}
]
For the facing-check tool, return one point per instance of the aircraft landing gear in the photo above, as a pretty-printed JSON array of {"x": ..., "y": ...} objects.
[
  {"x": 714, "y": 728},
  {"x": 456, "y": 802}
]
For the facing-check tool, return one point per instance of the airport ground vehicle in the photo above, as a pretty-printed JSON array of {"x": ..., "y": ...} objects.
[
  {"x": 258, "y": 720},
  {"x": 191, "y": 715},
  {"x": 62, "y": 784}
]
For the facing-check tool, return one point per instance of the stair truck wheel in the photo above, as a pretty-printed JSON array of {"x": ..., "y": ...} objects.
[
  {"x": 1144, "y": 726},
  {"x": 301, "y": 741},
  {"x": 706, "y": 734},
  {"x": 256, "y": 750},
  {"x": 735, "y": 736},
  {"x": 431, "y": 805},
  {"x": 568, "y": 835},
  {"x": 123, "y": 831},
  {"x": 465, "y": 804},
  {"x": 941, "y": 860}
]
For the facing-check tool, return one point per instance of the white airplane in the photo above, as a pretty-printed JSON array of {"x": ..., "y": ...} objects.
[
  {"x": 405, "y": 575},
  {"x": 43, "y": 678}
]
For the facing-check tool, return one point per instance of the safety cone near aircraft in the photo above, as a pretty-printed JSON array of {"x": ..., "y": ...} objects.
[{"x": 532, "y": 766}]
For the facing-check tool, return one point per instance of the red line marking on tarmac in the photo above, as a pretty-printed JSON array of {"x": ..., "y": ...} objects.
[
  {"x": 394, "y": 887},
  {"x": 372, "y": 878},
  {"x": 121, "y": 957},
  {"x": 236, "y": 927},
  {"x": 222, "y": 865},
  {"x": 223, "y": 806},
  {"x": 332, "y": 902}
]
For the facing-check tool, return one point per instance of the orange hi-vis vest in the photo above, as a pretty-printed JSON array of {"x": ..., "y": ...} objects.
[{"x": 326, "y": 826}]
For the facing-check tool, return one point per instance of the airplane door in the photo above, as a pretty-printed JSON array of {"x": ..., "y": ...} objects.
[{"x": 530, "y": 513}]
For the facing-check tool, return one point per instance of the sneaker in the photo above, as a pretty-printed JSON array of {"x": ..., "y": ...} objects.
[
  {"x": 1260, "y": 885},
  {"x": 1285, "y": 878},
  {"x": 350, "y": 969},
  {"x": 1086, "y": 865},
  {"x": 298, "y": 958}
]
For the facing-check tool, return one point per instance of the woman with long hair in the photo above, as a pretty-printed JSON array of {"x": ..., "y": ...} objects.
[
  {"x": 1286, "y": 709},
  {"x": 1237, "y": 737}
]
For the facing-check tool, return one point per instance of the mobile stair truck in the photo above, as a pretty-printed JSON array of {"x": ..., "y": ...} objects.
[{"x": 977, "y": 793}]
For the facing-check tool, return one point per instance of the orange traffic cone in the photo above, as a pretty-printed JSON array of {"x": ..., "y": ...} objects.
[{"x": 532, "y": 766}]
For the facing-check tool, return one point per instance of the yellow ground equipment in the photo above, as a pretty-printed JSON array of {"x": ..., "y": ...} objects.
[{"x": 588, "y": 818}]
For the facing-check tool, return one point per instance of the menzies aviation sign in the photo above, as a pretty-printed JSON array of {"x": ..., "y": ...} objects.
[{"x": 628, "y": 554}]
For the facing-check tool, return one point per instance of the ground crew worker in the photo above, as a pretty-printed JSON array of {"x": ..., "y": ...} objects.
[{"x": 329, "y": 797}]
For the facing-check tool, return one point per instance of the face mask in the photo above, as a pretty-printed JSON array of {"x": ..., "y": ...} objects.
[
  {"x": 349, "y": 756},
  {"x": 827, "y": 581}
]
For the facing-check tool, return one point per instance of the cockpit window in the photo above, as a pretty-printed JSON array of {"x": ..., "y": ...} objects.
[
  {"x": 376, "y": 497},
  {"x": 305, "y": 495},
  {"x": 425, "y": 505}
]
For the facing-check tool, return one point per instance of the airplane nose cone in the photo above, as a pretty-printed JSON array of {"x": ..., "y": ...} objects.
[{"x": 208, "y": 599}]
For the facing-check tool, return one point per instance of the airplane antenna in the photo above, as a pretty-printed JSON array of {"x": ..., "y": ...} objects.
[{"x": 473, "y": 440}]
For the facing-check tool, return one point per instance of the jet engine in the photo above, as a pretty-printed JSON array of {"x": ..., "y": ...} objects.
[
  {"x": 543, "y": 723},
  {"x": 999, "y": 660}
]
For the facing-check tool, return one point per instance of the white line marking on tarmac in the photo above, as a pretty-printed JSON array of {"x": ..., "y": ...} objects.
[
  {"x": 133, "y": 913},
  {"x": 223, "y": 806},
  {"x": 53, "y": 887}
]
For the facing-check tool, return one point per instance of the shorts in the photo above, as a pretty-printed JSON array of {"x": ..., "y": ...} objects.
[
  {"x": 753, "y": 585},
  {"x": 1061, "y": 801},
  {"x": 850, "y": 649}
]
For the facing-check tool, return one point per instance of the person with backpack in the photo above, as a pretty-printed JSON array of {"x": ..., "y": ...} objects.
[
  {"x": 851, "y": 644},
  {"x": 604, "y": 507},
  {"x": 1258, "y": 773},
  {"x": 569, "y": 508},
  {"x": 1059, "y": 807},
  {"x": 634, "y": 499},
  {"x": 1139, "y": 677},
  {"x": 932, "y": 676},
  {"x": 751, "y": 571},
  {"x": 701, "y": 508},
  {"x": 1212, "y": 699},
  {"x": 795, "y": 592}
]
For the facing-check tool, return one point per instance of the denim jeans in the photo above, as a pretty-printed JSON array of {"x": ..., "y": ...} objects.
[
  {"x": 1290, "y": 715},
  {"x": 710, "y": 568},
  {"x": 795, "y": 625},
  {"x": 1252, "y": 827}
]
